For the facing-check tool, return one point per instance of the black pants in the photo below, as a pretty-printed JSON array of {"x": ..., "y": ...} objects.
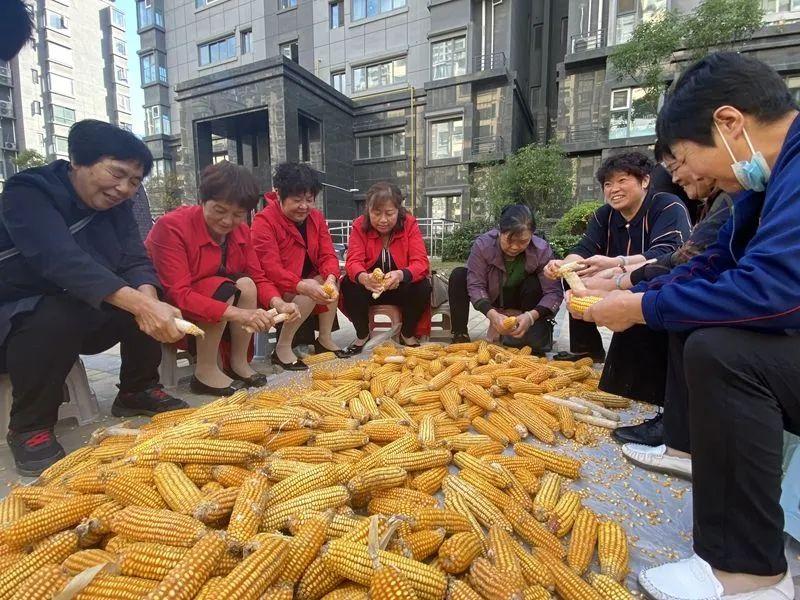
[
  {"x": 636, "y": 365},
  {"x": 742, "y": 393},
  {"x": 584, "y": 338},
  {"x": 44, "y": 344},
  {"x": 676, "y": 397},
  {"x": 528, "y": 296},
  {"x": 411, "y": 298}
]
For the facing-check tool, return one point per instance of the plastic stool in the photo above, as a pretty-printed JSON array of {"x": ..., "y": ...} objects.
[
  {"x": 387, "y": 312},
  {"x": 168, "y": 371},
  {"x": 442, "y": 329}
]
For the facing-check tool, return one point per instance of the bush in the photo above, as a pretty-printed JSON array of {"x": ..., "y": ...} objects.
[
  {"x": 458, "y": 244},
  {"x": 571, "y": 227},
  {"x": 563, "y": 243}
]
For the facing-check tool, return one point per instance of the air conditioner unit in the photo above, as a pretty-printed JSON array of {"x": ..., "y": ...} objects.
[{"x": 9, "y": 145}]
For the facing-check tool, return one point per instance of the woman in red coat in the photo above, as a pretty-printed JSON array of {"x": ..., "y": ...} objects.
[
  {"x": 294, "y": 246},
  {"x": 206, "y": 263},
  {"x": 386, "y": 237}
]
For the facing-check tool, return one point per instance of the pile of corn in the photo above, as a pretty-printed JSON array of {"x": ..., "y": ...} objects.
[{"x": 386, "y": 480}]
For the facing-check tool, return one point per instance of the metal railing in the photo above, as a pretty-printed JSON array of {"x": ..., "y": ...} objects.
[
  {"x": 591, "y": 40},
  {"x": 433, "y": 232},
  {"x": 484, "y": 62},
  {"x": 591, "y": 132},
  {"x": 5, "y": 76},
  {"x": 490, "y": 144}
]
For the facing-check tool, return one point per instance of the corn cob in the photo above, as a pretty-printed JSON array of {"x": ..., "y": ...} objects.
[
  {"x": 377, "y": 479},
  {"x": 582, "y": 541},
  {"x": 419, "y": 461},
  {"x": 276, "y": 516},
  {"x": 422, "y": 544},
  {"x": 304, "y": 547},
  {"x": 578, "y": 305},
  {"x": 563, "y": 515},
  {"x": 547, "y": 496},
  {"x": 348, "y": 591},
  {"x": 230, "y": 475},
  {"x": 198, "y": 474},
  {"x": 248, "y": 511},
  {"x": 317, "y": 477},
  {"x": 255, "y": 573},
  {"x": 485, "y": 469},
  {"x": 491, "y": 493},
  {"x": 216, "y": 506},
  {"x": 530, "y": 530},
  {"x": 129, "y": 492},
  {"x": 429, "y": 481},
  {"x": 43, "y": 584},
  {"x": 503, "y": 555},
  {"x": 608, "y": 588},
  {"x": 612, "y": 550},
  {"x": 65, "y": 464},
  {"x": 492, "y": 583},
  {"x": 458, "y": 551},
  {"x": 385, "y": 430},
  {"x": 460, "y": 590},
  {"x": 388, "y": 583},
  {"x": 206, "y": 451},
  {"x": 341, "y": 440},
  {"x": 53, "y": 550},
  {"x": 178, "y": 491},
  {"x": 484, "y": 427},
  {"x": 184, "y": 580},
  {"x": 568, "y": 584},
  {"x": 509, "y": 324},
  {"x": 554, "y": 461},
  {"x": 149, "y": 560},
  {"x": 485, "y": 511},
  {"x": 12, "y": 508},
  {"x": 536, "y": 592},
  {"x": 438, "y": 381},
  {"x": 306, "y": 454},
  {"x": 606, "y": 399},
  {"x": 84, "y": 559},
  {"x": 51, "y": 519},
  {"x": 533, "y": 569},
  {"x": 152, "y": 525}
]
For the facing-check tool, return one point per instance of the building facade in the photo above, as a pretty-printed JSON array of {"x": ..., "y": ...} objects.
[
  {"x": 75, "y": 68},
  {"x": 600, "y": 113},
  {"x": 419, "y": 92}
]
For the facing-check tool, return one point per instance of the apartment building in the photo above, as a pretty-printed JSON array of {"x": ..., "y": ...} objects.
[
  {"x": 600, "y": 114},
  {"x": 419, "y": 92},
  {"x": 75, "y": 68}
]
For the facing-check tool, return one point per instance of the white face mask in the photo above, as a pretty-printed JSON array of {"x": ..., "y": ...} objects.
[{"x": 751, "y": 174}]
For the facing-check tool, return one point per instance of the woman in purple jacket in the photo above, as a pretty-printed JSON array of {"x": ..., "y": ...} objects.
[{"x": 504, "y": 277}]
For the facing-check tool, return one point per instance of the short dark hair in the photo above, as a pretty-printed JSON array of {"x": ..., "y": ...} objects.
[
  {"x": 661, "y": 152},
  {"x": 632, "y": 163},
  {"x": 294, "y": 179},
  {"x": 384, "y": 191},
  {"x": 16, "y": 28},
  {"x": 720, "y": 79},
  {"x": 229, "y": 183},
  {"x": 90, "y": 140},
  {"x": 516, "y": 219}
]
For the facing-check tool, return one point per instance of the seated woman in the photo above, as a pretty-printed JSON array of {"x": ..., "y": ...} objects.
[
  {"x": 292, "y": 241},
  {"x": 504, "y": 276},
  {"x": 386, "y": 237},
  {"x": 207, "y": 265}
]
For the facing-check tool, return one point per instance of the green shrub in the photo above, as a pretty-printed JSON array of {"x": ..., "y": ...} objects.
[
  {"x": 576, "y": 218},
  {"x": 458, "y": 244}
]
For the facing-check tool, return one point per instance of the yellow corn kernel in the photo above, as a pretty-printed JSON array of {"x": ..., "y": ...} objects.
[
  {"x": 578, "y": 305},
  {"x": 554, "y": 461},
  {"x": 248, "y": 511},
  {"x": 568, "y": 583},
  {"x": 85, "y": 559},
  {"x": 256, "y": 573},
  {"x": 460, "y": 590},
  {"x": 43, "y": 584},
  {"x": 175, "y": 487},
  {"x": 186, "y": 578},
  {"x": 491, "y": 582},
  {"x": 153, "y": 525},
  {"x": 608, "y": 588},
  {"x": 547, "y": 496},
  {"x": 51, "y": 519},
  {"x": 563, "y": 515},
  {"x": 533, "y": 532},
  {"x": 612, "y": 550},
  {"x": 388, "y": 583},
  {"x": 582, "y": 541}
]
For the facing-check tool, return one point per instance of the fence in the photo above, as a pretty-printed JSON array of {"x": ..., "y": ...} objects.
[{"x": 433, "y": 232}]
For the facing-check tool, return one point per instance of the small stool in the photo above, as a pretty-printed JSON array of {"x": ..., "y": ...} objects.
[
  {"x": 386, "y": 312},
  {"x": 443, "y": 328},
  {"x": 169, "y": 372},
  {"x": 80, "y": 401}
]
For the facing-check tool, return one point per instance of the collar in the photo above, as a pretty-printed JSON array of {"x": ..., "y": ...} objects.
[{"x": 619, "y": 221}]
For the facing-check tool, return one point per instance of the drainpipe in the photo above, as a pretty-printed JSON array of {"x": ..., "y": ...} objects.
[
  {"x": 483, "y": 34},
  {"x": 413, "y": 153}
]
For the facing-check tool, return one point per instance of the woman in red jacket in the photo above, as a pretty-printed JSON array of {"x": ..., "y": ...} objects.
[
  {"x": 207, "y": 265},
  {"x": 386, "y": 237},
  {"x": 295, "y": 248}
]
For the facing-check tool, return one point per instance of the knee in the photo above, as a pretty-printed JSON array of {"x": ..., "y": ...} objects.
[
  {"x": 247, "y": 287},
  {"x": 423, "y": 287},
  {"x": 707, "y": 350},
  {"x": 458, "y": 278}
]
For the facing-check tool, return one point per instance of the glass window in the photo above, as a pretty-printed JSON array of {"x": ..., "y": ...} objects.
[
  {"x": 126, "y": 126},
  {"x": 337, "y": 14},
  {"x": 124, "y": 102},
  {"x": 217, "y": 51},
  {"x": 362, "y": 9},
  {"x": 338, "y": 81},
  {"x": 120, "y": 47},
  {"x": 284, "y": 4},
  {"x": 632, "y": 115},
  {"x": 56, "y": 20},
  {"x": 381, "y": 145},
  {"x": 449, "y": 58},
  {"x": 148, "y": 69},
  {"x": 63, "y": 115},
  {"x": 289, "y": 50},
  {"x": 445, "y": 207},
  {"x": 35, "y": 76},
  {"x": 793, "y": 83},
  {"x": 118, "y": 18},
  {"x": 60, "y": 145},
  {"x": 60, "y": 54},
  {"x": 247, "y": 41},
  {"x": 446, "y": 139},
  {"x": 379, "y": 75},
  {"x": 162, "y": 74},
  {"x": 59, "y": 84},
  {"x": 148, "y": 14},
  {"x": 632, "y": 12},
  {"x": 121, "y": 73},
  {"x": 157, "y": 120}
]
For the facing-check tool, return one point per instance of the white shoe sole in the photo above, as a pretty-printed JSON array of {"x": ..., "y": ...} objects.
[{"x": 657, "y": 469}]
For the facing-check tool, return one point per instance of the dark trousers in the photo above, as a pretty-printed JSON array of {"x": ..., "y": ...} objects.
[
  {"x": 44, "y": 344},
  {"x": 676, "y": 397},
  {"x": 411, "y": 298},
  {"x": 528, "y": 296},
  {"x": 742, "y": 393},
  {"x": 584, "y": 338},
  {"x": 636, "y": 365}
]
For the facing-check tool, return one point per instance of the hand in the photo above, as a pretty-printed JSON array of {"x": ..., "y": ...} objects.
[
  {"x": 524, "y": 322},
  {"x": 313, "y": 289},
  {"x": 496, "y": 320},
  {"x": 608, "y": 273},
  {"x": 148, "y": 290},
  {"x": 551, "y": 269},
  {"x": 157, "y": 319},
  {"x": 392, "y": 280},
  {"x": 597, "y": 263},
  {"x": 253, "y": 320},
  {"x": 619, "y": 310},
  {"x": 599, "y": 283},
  {"x": 287, "y": 308},
  {"x": 373, "y": 286}
]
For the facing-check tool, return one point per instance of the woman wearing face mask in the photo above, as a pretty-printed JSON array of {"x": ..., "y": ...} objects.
[
  {"x": 386, "y": 237},
  {"x": 504, "y": 276},
  {"x": 733, "y": 316},
  {"x": 209, "y": 270}
]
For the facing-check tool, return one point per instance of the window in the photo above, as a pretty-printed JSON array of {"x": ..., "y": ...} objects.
[
  {"x": 148, "y": 14},
  {"x": 156, "y": 120},
  {"x": 162, "y": 74},
  {"x": 36, "y": 107},
  {"x": 202, "y": 3},
  {"x": 778, "y": 7},
  {"x": 35, "y": 76},
  {"x": 58, "y": 84},
  {"x": 148, "y": 69},
  {"x": 310, "y": 146},
  {"x": 632, "y": 115},
  {"x": 449, "y": 58},
  {"x": 120, "y": 47},
  {"x": 126, "y": 127},
  {"x": 793, "y": 83},
  {"x": 63, "y": 115},
  {"x": 632, "y": 12},
  {"x": 123, "y": 103},
  {"x": 337, "y": 14},
  {"x": 289, "y": 50},
  {"x": 217, "y": 51},
  {"x": 285, "y": 4},
  {"x": 60, "y": 54},
  {"x": 60, "y": 145},
  {"x": 446, "y": 139},
  {"x": 382, "y": 145},
  {"x": 380, "y": 75},
  {"x": 586, "y": 186},
  {"x": 247, "y": 41},
  {"x": 338, "y": 81},
  {"x": 118, "y": 18},
  {"x": 361, "y": 9},
  {"x": 445, "y": 207},
  {"x": 121, "y": 73},
  {"x": 56, "y": 20}
]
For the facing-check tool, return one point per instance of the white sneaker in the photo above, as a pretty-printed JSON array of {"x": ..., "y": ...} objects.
[
  {"x": 693, "y": 579},
  {"x": 655, "y": 458}
]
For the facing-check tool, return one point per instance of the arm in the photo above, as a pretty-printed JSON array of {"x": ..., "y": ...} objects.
[
  {"x": 267, "y": 292},
  {"x": 669, "y": 230},
  {"x": 418, "y": 264},
  {"x": 594, "y": 240},
  {"x": 328, "y": 263},
  {"x": 265, "y": 245},
  {"x": 477, "y": 270},
  {"x": 356, "y": 254}
]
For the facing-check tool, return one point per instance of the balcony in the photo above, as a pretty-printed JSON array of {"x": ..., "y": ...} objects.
[
  {"x": 487, "y": 145},
  {"x": 592, "y": 40},
  {"x": 5, "y": 76},
  {"x": 6, "y": 109},
  {"x": 486, "y": 62}
]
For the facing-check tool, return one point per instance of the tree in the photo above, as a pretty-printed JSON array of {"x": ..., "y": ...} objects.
[
  {"x": 717, "y": 24},
  {"x": 29, "y": 158},
  {"x": 165, "y": 192},
  {"x": 537, "y": 175}
]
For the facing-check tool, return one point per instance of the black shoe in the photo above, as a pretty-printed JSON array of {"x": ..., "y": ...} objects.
[
  {"x": 353, "y": 350},
  {"x": 34, "y": 451},
  {"x": 297, "y": 365},
  {"x": 150, "y": 401},
  {"x": 461, "y": 338},
  {"x": 319, "y": 349},
  {"x": 649, "y": 433},
  {"x": 257, "y": 380},
  {"x": 198, "y": 387},
  {"x": 573, "y": 356}
]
